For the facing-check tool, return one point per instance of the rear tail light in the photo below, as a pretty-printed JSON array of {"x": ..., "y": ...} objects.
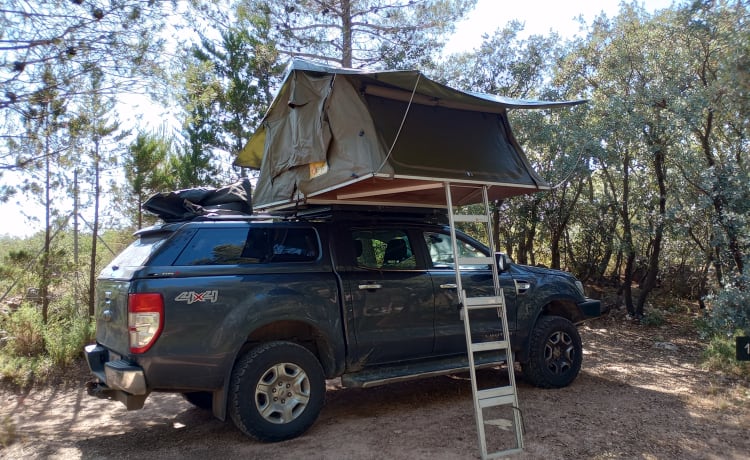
[{"x": 145, "y": 320}]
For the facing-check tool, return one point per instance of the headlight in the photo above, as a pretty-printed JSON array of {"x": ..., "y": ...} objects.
[{"x": 579, "y": 286}]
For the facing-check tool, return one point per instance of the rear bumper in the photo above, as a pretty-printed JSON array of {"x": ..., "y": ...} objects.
[{"x": 117, "y": 379}]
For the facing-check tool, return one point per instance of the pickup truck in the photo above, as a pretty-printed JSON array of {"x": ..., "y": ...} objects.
[{"x": 249, "y": 316}]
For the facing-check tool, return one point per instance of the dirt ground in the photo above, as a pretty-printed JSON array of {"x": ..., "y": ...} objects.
[{"x": 641, "y": 394}]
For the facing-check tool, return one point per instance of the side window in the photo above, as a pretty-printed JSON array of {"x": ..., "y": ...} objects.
[
  {"x": 232, "y": 246},
  {"x": 214, "y": 246},
  {"x": 441, "y": 252},
  {"x": 294, "y": 245},
  {"x": 281, "y": 244},
  {"x": 383, "y": 249}
]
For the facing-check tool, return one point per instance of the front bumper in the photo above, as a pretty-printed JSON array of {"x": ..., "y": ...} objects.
[
  {"x": 117, "y": 379},
  {"x": 591, "y": 308}
]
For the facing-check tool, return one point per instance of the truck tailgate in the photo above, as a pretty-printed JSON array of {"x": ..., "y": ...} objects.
[{"x": 112, "y": 314}]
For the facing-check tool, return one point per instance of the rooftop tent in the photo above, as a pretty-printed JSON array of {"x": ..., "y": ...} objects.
[{"x": 337, "y": 135}]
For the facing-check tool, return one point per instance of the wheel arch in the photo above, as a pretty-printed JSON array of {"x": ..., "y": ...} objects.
[
  {"x": 301, "y": 333},
  {"x": 565, "y": 308}
]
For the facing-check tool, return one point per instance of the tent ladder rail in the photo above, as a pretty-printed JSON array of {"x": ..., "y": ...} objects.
[{"x": 502, "y": 395}]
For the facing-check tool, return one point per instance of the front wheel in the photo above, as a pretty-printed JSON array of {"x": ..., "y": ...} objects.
[
  {"x": 277, "y": 391},
  {"x": 555, "y": 353}
]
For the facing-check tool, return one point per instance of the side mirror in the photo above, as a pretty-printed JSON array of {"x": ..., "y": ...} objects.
[{"x": 503, "y": 261}]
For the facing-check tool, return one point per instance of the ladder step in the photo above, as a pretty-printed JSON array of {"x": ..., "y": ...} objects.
[
  {"x": 475, "y": 261},
  {"x": 490, "y": 301},
  {"x": 489, "y": 346},
  {"x": 470, "y": 218},
  {"x": 499, "y": 396},
  {"x": 504, "y": 453}
]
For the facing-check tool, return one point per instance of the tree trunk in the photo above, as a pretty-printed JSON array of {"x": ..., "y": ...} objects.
[
  {"x": 554, "y": 246},
  {"x": 529, "y": 243},
  {"x": 617, "y": 272},
  {"x": 601, "y": 268},
  {"x": 719, "y": 194},
  {"x": 496, "y": 225},
  {"x": 346, "y": 33},
  {"x": 45, "y": 281},
  {"x": 627, "y": 234},
  {"x": 653, "y": 264},
  {"x": 652, "y": 272},
  {"x": 627, "y": 283},
  {"x": 560, "y": 224},
  {"x": 140, "y": 212},
  {"x": 94, "y": 233}
]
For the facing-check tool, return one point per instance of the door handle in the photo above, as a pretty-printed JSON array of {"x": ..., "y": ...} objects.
[
  {"x": 522, "y": 286},
  {"x": 448, "y": 286},
  {"x": 367, "y": 287}
]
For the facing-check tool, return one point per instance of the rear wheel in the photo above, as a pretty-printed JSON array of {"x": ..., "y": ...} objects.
[
  {"x": 277, "y": 391},
  {"x": 555, "y": 353}
]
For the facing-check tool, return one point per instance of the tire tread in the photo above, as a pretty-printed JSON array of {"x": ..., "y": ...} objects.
[{"x": 534, "y": 371}]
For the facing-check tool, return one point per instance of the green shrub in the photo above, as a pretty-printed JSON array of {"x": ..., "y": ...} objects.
[
  {"x": 32, "y": 350},
  {"x": 730, "y": 307},
  {"x": 24, "y": 332},
  {"x": 22, "y": 371},
  {"x": 720, "y": 355},
  {"x": 66, "y": 338},
  {"x": 654, "y": 318}
]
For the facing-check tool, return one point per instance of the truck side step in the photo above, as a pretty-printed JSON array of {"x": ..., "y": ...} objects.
[{"x": 382, "y": 375}]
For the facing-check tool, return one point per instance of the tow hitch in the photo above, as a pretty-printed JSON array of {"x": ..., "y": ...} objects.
[
  {"x": 102, "y": 391},
  {"x": 98, "y": 389}
]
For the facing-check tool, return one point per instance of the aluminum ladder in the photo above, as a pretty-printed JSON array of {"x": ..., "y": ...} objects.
[{"x": 504, "y": 395}]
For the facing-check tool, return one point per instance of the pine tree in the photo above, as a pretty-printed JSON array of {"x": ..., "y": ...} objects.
[{"x": 146, "y": 171}]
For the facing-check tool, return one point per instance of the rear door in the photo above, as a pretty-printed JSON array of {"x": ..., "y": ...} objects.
[{"x": 389, "y": 296}]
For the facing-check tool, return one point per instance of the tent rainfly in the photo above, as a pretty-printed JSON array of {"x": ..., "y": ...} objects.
[{"x": 336, "y": 135}]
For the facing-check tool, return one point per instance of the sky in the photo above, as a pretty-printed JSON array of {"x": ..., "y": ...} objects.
[{"x": 539, "y": 18}]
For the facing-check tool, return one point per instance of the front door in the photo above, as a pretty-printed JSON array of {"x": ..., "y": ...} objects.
[
  {"x": 389, "y": 297},
  {"x": 486, "y": 325}
]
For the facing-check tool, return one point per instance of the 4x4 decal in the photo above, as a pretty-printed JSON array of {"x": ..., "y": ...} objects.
[{"x": 192, "y": 296}]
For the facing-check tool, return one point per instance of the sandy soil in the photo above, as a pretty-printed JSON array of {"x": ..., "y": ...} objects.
[{"x": 641, "y": 394}]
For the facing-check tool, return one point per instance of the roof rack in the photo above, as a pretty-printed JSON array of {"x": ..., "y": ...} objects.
[
  {"x": 317, "y": 212},
  {"x": 371, "y": 212}
]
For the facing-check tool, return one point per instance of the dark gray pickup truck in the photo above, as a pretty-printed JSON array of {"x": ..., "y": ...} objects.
[{"x": 249, "y": 316}]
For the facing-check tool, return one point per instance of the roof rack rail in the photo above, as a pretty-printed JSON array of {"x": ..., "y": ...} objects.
[{"x": 222, "y": 217}]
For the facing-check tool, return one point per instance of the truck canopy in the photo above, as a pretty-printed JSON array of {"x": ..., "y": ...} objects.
[{"x": 336, "y": 135}]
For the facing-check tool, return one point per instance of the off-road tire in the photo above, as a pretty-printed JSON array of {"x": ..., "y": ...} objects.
[
  {"x": 276, "y": 392},
  {"x": 555, "y": 353}
]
